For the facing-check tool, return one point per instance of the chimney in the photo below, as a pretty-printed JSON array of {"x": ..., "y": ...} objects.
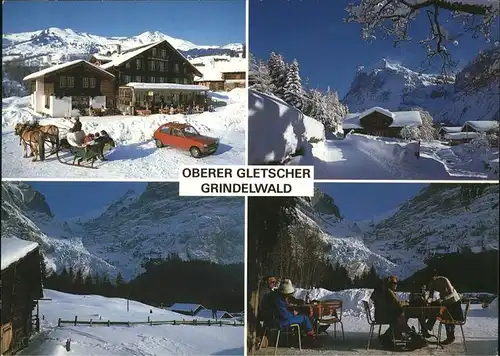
[{"x": 118, "y": 48}]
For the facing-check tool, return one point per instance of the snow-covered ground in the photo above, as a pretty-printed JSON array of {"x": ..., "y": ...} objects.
[
  {"x": 480, "y": 330},
  {"x": 144, "y": 340},
  {"x": 371, "y": 157},
  {"x": 276, "y": 131},
  {"x": 136, "y": 155}
]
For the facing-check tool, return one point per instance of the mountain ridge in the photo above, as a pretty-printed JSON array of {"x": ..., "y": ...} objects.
[{"x": 54, "y": 44}]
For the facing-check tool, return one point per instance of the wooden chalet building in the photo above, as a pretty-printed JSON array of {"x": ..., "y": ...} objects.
[
  {"x": 444, "y": 130},
  {"x": 21, "y": 285},
  {"x": 380, "y": 122},
  {"x": 58, "y": 90},
  {"x": 155, "y": 63},
  {"x": 486, "y": 126}
]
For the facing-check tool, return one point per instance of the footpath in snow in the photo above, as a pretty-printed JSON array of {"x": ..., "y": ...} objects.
[
  {"x": 277, "y": 131},
  {"x": 143, "y": 340},
  {"x": 136, "y": 155},
  {"x": 481, "y": 330}
]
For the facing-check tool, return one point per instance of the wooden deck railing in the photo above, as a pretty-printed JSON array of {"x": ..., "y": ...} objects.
[{"x": 151, "y": 322}]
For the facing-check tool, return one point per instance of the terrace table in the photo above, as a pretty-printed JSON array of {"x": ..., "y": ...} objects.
[{"x": 427, "y": 312}]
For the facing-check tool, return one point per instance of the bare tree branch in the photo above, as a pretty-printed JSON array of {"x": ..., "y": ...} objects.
[{"x": 391, "y": 18}]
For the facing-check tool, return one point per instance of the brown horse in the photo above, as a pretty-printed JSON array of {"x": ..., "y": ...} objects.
[
  {"x": 51, "y": 134},
  {"x": 32, "y": 137}
]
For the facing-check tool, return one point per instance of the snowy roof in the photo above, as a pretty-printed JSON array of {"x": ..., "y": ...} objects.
[
  {"x": 482, "y": 126},
  {"x": 205, "y": 313},
  {"x": 102, "y": 57},
  {"x": 55, "y": 68},
  {"x": 14, "y": 249},
  {"x": 213, "y": 67},
  {"x": 186, "y": 307},
  {"x": 460, "y": 135},
  {"x": 450, "y": 129},
  {"x": 169, "y": 86},
  {"x": 120, "y": 59},
  {"x": 399, "y": 118}
]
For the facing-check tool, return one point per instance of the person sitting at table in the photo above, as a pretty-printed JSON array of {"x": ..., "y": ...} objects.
[
  {"x": 266, "y": 298},
  {"x": 388, "y": 310},
  {"x": 417, "y": 299},
  {"x": 449, "y": 298},
  {"x": 284, "y": 317}
]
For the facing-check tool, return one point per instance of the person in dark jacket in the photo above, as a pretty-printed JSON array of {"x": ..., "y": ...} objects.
[
  {"x": 284, "y": 317},
  {"x": 388, "y": 310},
  {"x": 269, "y": 284},
  {"x": 77, "y": 126}
]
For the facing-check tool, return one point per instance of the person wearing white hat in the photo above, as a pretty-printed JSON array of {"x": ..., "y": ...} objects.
[{"x": 284, "y": 316}]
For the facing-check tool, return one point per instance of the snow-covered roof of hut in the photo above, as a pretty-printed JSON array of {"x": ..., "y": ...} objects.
[
  {"x": 482, "y": 126},
  {"x": 213, "y": 67},
  {"x": 122, "y": 58},
  {"x": 206, "y": 313},
  {"x": 57, "y": 67},
  {"x": 14, "y": 249},
  {"x": 186, "y": 307},
  {"x": 169, "y": 86},
  {"x": 460, "y": 135},
  {"x": 450, "y": 129},
  {"x": 399, "y": 118}
]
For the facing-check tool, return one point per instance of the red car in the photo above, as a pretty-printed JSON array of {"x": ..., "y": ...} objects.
[{"x": 185, "y": 137}]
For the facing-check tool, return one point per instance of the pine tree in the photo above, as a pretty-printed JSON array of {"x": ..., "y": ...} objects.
[
  {"x": 277, "y": 72},
  {"x": 292, "y": 91},
  {"x": 261, "y": 78}
]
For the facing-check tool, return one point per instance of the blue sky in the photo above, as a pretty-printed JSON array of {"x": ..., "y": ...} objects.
[
  {"x": 362, "y": 201},
  {"x": 72, "y": 199},
  {"x": 203, "y": 22},
  {"x": 327, "y": 49}
]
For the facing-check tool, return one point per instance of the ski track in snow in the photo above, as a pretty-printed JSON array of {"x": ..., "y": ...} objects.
[{"x": 136, "y": 156}]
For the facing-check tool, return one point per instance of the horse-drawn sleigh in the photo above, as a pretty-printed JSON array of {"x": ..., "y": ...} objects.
[{"x": 35, "y": 137}]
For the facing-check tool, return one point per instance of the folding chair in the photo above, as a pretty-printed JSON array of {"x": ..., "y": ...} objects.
[
  {"x": 286, "y": 330},
  {"x": 461, "y": 323},
  {"x": 333, "y": 315},
  {"x": 373, "y": 323}
]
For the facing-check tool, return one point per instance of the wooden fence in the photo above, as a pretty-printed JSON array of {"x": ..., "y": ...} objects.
[{"x": 151, "y": 322}]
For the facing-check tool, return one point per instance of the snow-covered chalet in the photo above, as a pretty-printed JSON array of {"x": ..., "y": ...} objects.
[{"x": 380, "y": 122}]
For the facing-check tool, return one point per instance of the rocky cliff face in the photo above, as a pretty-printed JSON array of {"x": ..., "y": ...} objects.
[{"x": 434, "y": 221}]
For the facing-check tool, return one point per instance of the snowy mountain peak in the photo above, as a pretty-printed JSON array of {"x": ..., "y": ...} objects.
[{"x": 391, "y": 85}]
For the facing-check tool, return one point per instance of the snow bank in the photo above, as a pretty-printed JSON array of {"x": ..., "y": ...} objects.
[
  {"x": 351, "y": 298},
  {"x": 136, "y": 129},
  {"x": 276, "y": 130},
  {"x": 13, "y": 249},
  {"x": 396, "y": 154}
]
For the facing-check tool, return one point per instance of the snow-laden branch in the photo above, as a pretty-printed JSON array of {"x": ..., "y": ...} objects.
[{"x": 391, "y": 18}]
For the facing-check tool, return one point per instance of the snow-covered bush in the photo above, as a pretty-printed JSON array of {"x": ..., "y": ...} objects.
[
  {"x": 410, "y": 133},
  {"x": 492, "y": 139},
  {"x": 479, "y": 144},
  {"x": 427, "y": 130}
]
